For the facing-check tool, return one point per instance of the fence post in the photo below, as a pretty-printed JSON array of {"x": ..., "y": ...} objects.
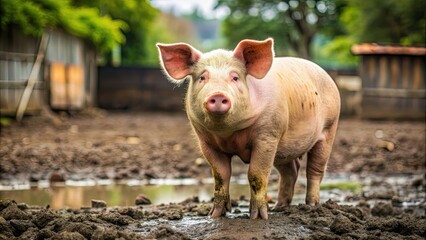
[{"x": 32, "y": 78}]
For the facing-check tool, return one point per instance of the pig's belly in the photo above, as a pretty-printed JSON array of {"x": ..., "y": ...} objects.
[{"x": 292, "y": 147}]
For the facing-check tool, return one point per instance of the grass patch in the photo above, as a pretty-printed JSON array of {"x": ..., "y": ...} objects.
[
  {"x": 344, "y": 186},
  {"x": 4, "y": 121}
]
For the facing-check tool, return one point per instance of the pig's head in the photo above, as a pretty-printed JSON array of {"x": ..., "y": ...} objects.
[{"x": 218, "y": 95}]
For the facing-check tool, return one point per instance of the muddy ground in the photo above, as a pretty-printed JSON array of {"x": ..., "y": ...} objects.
[{"x": 100, "y": 145}]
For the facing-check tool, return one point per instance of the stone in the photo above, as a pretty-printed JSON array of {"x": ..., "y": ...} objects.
[
  {"x": 142, "y": 200},
  {"x": 98, "y": 203}
]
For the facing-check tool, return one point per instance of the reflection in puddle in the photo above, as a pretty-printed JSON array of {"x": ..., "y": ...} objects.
[
  {"x": 79, "y": 194},
  {"x": 114, "y": 194}
]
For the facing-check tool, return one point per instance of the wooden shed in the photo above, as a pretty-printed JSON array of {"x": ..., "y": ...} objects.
[
  {"x": 65, "y": 79},
  {"x": 393, "y": 81}
]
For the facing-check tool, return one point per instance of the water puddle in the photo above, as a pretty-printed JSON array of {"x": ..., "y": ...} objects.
[
  {"x": 80, "y": 194},
  {"x": 77, "y": 194}
]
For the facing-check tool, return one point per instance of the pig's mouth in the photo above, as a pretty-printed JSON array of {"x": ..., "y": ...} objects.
[{"x": 217, "y": 113}]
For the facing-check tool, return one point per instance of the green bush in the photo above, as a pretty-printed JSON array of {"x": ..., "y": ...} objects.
[{"x": 34, "y": 16}]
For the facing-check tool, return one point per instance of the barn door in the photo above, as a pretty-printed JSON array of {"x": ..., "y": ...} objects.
[{"x": 66, "y": 86}]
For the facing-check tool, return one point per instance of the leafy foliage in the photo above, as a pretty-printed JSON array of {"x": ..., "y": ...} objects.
[
  {"x": 140, "y": 17},
  {"x": 168, "y": 29},
  {"x": 392, "y": 21},
  {"x": 384, "y": 22},
  {"x": 293, "y": 24},
  {"x": 33, "y": 16}
]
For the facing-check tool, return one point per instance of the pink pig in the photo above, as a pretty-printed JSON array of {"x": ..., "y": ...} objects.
[{"x": 268, "y": 111}]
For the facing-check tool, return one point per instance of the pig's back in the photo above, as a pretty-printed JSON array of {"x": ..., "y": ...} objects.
[
  {"x": 302, "y": 81},
  {"x": 298, "y": 71}
]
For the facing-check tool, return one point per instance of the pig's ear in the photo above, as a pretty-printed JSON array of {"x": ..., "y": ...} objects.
[
  {"x": 256, "y": 55},
  {"x": 177, "y": 59}
]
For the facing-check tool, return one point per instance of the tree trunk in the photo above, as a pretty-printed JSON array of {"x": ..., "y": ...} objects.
[{"x": 305, "y": 47}]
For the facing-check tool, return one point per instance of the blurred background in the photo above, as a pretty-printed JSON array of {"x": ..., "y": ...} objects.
[{"x": 101, "y": 53}]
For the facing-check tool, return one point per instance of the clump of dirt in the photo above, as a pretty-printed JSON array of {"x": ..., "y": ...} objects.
[
  {"x": 41, "y": 223},
  {"x": 187, "y": 220},
  {"x": 342, "y": 225},
  {"x": 382, "y": 209},
  {"x": 167, "y": 232}
]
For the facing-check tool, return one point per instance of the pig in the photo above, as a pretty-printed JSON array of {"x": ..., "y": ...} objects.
[{"x": 267, "y": 111}]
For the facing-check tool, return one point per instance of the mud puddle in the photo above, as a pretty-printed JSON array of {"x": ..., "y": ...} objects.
[{"x": 78, "y": 194}]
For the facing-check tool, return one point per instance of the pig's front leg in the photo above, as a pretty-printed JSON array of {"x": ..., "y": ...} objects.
[
  {"x": 261, "y": 162},
  {"x": 221, "y": 169}
]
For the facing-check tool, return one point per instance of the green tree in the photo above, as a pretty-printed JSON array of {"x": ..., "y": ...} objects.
[
  {"x": 34, "y": 16},
  {"x": 140, "y": 17},
  {"x": 391, "y": 21},
  {"x": 383, "y": 22},
  {"x": 293, "y": 24}
]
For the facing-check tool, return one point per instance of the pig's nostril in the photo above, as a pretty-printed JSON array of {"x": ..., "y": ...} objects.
[{"x": 218, "y": 104}]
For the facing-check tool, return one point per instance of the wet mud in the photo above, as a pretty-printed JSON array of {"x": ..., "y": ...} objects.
[
  {"x": 147, "y": 146},
  {"x": 189, "y": 220},
  {"x": 154, "y": 145}
]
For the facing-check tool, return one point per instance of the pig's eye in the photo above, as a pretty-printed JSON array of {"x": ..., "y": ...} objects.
[
  {"x": 202, "y": 78},
  {"x": 235, "y": 78}
]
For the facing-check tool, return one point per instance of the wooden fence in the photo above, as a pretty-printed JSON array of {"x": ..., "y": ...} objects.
[{"x": 138, "y": 88}]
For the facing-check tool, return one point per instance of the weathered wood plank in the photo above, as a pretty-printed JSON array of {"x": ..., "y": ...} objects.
[{"x": 397, "y": 93}]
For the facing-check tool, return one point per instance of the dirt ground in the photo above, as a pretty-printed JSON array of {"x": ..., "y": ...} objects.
[{"x": 100, "y": 145}]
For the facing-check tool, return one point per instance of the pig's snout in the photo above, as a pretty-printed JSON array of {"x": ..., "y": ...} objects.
[{"x": 218, "y": 103}]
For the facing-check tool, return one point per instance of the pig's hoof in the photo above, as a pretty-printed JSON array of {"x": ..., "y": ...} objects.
[
  {"x": 217, "y": 211},
  {"x": 259, "y": 210},
  {"x": 312, "y": 202},
  {"x": 281, "y": 205},
  {"x": 220, "y": 206},
  {"x": 261, "y": 213},
  {"x": 279, "y": 208}
]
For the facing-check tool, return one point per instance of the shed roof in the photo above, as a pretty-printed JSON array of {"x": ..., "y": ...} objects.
[{"x": 372, "y": 48}]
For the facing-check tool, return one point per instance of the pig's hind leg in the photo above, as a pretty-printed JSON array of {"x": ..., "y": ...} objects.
[
  {"x": 317, "y": 163},
  {"x": 288, "y": 170}
]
